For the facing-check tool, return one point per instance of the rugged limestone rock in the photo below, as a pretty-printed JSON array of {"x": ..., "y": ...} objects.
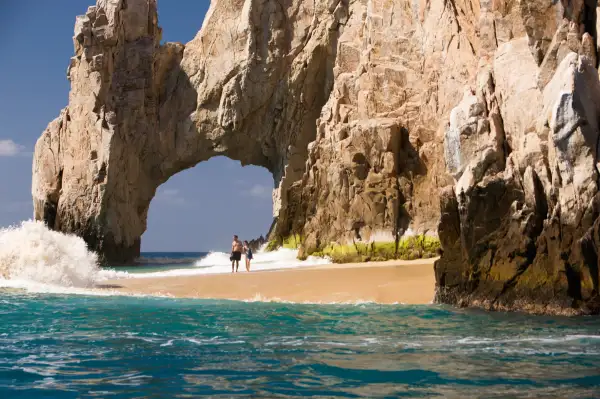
[
  {"x": 376, "y": 166},
  {"x": 249, "y": 86},
  {"x": 475, "y": 120},
  {"x": 522, "y": 236}
]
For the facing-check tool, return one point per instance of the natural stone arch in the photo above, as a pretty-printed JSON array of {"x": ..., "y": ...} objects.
[
  {"x": 198, "y": 209},
  {"x": 249, "y": 86},
  {"x": 520, "y": 207}
]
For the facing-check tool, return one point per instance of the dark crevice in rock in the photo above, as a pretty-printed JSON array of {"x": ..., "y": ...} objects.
[
  {"x": 49, "y": 213},
  {"x": 574, "y": 283},
  {"x": 101, "y": 173},
  {"x": 449, "y": 4},
  {"x": 589, "y": 252},
  {"x": 589, "y": 22}
]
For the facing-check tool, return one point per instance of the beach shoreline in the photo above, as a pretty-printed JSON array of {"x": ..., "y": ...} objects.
[{"x": 390, "y": 282}]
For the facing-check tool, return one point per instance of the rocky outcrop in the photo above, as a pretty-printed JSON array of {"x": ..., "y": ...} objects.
[
  {"x": 376, "y": 166},
  {"x": 249, "y": 86},
  {"x": 257, "y": 243},
  {"x": 506, "y": 95},
  {"x": 519, "y": 228},
  {"x": 474, "y": 120}
]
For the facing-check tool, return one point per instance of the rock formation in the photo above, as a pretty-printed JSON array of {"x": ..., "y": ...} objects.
[
  {"x": 474, "y": 120},
  {"x": 249, "y": 86},
  {"x": 519, "y": 227},
  {"x": 377, "y": 163}
]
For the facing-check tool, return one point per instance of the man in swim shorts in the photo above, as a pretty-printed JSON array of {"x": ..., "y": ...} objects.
[{"x": 236, "y": 253}]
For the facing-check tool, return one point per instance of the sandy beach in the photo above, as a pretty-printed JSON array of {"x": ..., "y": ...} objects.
[{"x": 408, "y": 282}]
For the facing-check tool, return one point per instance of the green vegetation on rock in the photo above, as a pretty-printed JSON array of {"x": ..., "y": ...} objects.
[
  {"x": 408, "y": 248},
  {"x": 291, "y": 242},
  {"x": 414, "y": 247},
  {"x": 272, "y": 245}
]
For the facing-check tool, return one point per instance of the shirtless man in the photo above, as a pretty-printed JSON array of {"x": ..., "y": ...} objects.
[{"x": 236, "y": 253}]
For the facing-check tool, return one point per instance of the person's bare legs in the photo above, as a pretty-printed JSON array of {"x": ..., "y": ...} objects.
[
  {"x": 237, "y": 265},
  {"x": 232, "y": 265},
  {"x": 247, "y": 264}
]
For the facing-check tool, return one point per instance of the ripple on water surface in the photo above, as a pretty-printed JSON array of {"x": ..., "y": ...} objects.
[{"x": 66, "y": 347}]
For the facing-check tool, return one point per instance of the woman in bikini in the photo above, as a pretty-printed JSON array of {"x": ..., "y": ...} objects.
[{"x": 248, "y": 252}]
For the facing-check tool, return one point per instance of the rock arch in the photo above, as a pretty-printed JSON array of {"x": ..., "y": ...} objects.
[
  {"x": 511, "y": 88},
  {"x": 249, "y": 86},
  {"x": 338, "y": 99}
]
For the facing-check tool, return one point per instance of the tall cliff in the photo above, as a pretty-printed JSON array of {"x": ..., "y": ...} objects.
[
  {"x": 249, "y": 86},
  {"x": 519, "y": 229},
  {"x": 475, "y": 120}
]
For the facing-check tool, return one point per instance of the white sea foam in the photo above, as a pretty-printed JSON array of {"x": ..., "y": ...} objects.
[
  {"x": 218, "y": 262},
  {"x": 38, "y": 259},
  {"x": 283, "y": 258},
  {"x": 358, "y": 302},
  {"x": 542, "y": 340}
]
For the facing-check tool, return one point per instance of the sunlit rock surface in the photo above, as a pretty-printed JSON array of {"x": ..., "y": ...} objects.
[
  {"x": 473, "y": 120},
  {"x": 520, "y": 231},
  {"x": 249, "y": 86}
]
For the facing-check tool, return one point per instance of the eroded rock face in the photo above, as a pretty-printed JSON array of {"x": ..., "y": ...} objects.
[
  {"x": 376, "y": 166},
  {"x": 249, "y": 86},
  {"x": 520, "y": 232},
  {"x": 474, "y": 120}
]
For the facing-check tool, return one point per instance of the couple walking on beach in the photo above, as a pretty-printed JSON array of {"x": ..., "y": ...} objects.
[{"x": 236, "y": 254}]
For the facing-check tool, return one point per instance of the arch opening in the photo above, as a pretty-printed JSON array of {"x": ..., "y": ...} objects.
[{"x": 200, "y": 208}]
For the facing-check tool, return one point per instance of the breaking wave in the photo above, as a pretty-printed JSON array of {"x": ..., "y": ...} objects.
[
  {"x": 218, "y": 262},
  {"x": 283, "y": 258},
  {"x": 37, "y": 259},
  {"x": 33, "y": 255}
]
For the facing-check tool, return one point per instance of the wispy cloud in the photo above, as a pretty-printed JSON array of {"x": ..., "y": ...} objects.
[
  {"x": 170, "y": 196},
  {"x": 9, "y": 148},
  {"x": 259, "y": 191}
]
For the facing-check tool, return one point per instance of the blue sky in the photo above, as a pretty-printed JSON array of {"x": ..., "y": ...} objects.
[{"x": 197, "y": 209}]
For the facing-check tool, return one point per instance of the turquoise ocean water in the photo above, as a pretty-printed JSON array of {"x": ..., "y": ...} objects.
[
  {"x": 78, "y": 346},
  {"x": 151, "y": 262}
]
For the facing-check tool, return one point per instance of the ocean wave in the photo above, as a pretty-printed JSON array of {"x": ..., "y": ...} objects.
[
  {"x": 37, "y": 259},
  {"x": 535, "y": 351},
  {"x": 543, "y": 340},
  {"x": 33, "y": 255},
  {"x": 219, "y": 263},
  {"x": 358, "y": 302},
  {"x": 282, "y": 258}
]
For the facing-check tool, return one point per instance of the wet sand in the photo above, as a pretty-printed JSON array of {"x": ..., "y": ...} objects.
[{"x": 408, "y": 282}]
